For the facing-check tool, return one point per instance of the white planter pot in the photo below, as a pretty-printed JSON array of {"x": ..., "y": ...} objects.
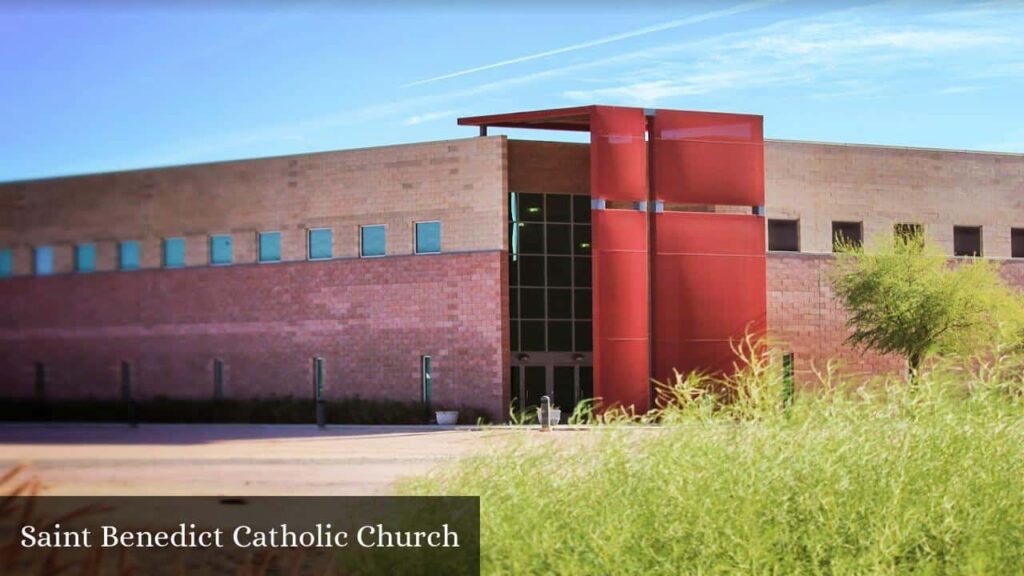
[
  {"x": 555, "y": 416},
  {"x": 447, "y": 417}
]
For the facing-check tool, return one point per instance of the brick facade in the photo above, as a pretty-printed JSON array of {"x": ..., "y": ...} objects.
[
  {"x": 370, "y": 319},
  {"x": 373, "y": 318},
  {"x": 880, "y": 186},
  {"x": 805, "y": 318},
  {"x": 459, "y": 182}
]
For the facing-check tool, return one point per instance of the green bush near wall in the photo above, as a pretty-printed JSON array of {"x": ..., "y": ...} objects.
[{"x": 283, "y": 410}]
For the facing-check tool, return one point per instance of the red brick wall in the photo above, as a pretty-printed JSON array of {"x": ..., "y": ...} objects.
[
  {"x": 371, "y": 319},
  {"x": 805, "y": 317}
]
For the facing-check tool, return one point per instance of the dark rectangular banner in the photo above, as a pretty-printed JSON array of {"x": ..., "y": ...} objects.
[{"x": 268, "y": 535}]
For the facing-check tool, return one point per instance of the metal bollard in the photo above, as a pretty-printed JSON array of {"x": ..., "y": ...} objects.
[{"x": 545, "y": 413}]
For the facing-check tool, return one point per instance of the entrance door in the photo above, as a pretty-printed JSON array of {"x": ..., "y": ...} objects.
[{"x": 566, "y": 385}]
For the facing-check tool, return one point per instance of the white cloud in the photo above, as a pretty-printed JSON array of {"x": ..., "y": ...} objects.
[
  {"x": 690, "y": 20},
  {"x": 428, "y": 117},
  {"x": 857, "y": 51}
]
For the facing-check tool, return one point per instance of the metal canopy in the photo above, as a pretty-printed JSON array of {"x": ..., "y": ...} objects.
[{"x": 575, "y": 119}]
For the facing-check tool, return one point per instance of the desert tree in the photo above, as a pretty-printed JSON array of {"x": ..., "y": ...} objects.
[{"x": 905, "y": 297}]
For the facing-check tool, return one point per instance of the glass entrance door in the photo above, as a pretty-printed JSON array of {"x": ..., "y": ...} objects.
[{"x": 566, "y": 385}]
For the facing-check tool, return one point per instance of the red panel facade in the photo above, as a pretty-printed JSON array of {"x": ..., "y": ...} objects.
[
  {"x": 618, "y": 154},
  {"x": 621, "y": 342},
  {"x": 709, "y": 289},
  {"x": 708, "y": 158}
]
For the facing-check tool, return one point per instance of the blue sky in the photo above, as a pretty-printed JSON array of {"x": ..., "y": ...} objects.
[{"x": 109, "y": 86}]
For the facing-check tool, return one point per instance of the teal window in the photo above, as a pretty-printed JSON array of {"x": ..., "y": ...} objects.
[
  {"x": 128, "y": 255},
  {"x": 426, "y": 383},
  {"x": 85, "y": 257},
  {"x": 174, "y": 253},
  {"x": 220, "y": 249},
  {"x": 6, "y": 263},
  {"x": 44, "y": 260},
  {"x": 270, "y": 246},
  {"x": 320, "y": 243},
  {"x": 428, "y": 237},
  {"x": 372, "y": 241}
]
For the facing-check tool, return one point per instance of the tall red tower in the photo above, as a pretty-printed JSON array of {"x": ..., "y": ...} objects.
[{"x": 676, "y": 282}]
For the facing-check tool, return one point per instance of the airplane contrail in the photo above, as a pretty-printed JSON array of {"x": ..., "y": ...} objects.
[{"x": 696, "y": 19}]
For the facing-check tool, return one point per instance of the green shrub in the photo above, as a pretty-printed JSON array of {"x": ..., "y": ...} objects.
[
  {"x": 904, "y": 297},
  {"x": 857, "y": 478},
  {"x": 283, "y": 410}
]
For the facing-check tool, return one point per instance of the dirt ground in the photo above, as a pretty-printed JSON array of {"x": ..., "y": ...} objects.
[{"x": 98, "y": 459}]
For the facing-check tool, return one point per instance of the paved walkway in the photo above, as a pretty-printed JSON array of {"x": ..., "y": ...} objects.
[{"x": 227, "y": 459}]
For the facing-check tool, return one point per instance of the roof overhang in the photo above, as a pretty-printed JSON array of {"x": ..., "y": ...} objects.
[{"x": 574, "y": 119}]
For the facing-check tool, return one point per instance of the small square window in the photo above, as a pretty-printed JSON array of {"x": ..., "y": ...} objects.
[
  {"x": 783, "y": 235},
  {"x": 372, "y": 241},
  {"x": 967, "y": 240},
  {"x": 906, "y": 231},
  {"x": 85, "y": 258},
  {"x": 6, "y": 263},
  {"x": 220, "y": 249},
  {"x": 1017, "y": 242},
  {"x": 43, "y": 260},
  {"x": 270, "y": 246},
  {"x": 428, "y": 237},
  {"x": 128, "y": 255},
  {"x": 321, "y": 244},
  {"x": 174, "y": 252},
  {"x": 850, "y": 233}
]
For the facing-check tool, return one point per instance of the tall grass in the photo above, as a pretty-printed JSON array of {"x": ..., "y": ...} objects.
[{"x": 855, "y": 478}]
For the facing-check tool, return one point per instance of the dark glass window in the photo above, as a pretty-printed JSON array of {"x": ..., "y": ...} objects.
[
  {"x": 1017, "y": 242},
  {"x": 967, "y": 240},
  {"x": 514, "y": 335},
  {"x": 581, "y": 272},
  {"x": 560, "y": 336},
  {"x": 513, "y": 270},
  {"x": 550, "y": 301},
  {"x": 532, "y": 334},
  {"x": 584, "y": 336},
  {"x": 558, "y": 208},
  {"x": 583, "y": 304},
  {"x": 559, "y": 238},
  {"x": 581, "y": 208},
  {"x": 559, "y": 271},
  {"x": 514, "y": 395},
  {"x": 531, "y": 238},
  {"x": 531, "y": 302},
  {"x": 535, "y": 385},
  {"x": 581, "y": 241},
  {"x": 560, "y": 303},
  {"x": 586, "y": 382},
  {"x": 847, "y": 232},
  {"x": 531, "y": 270},
  {"x": 564, "y": 389},
  {"x": 531, "y": 207},
  {"x": 783, "y": 235},
  {"x": 904, "y": 230}
]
